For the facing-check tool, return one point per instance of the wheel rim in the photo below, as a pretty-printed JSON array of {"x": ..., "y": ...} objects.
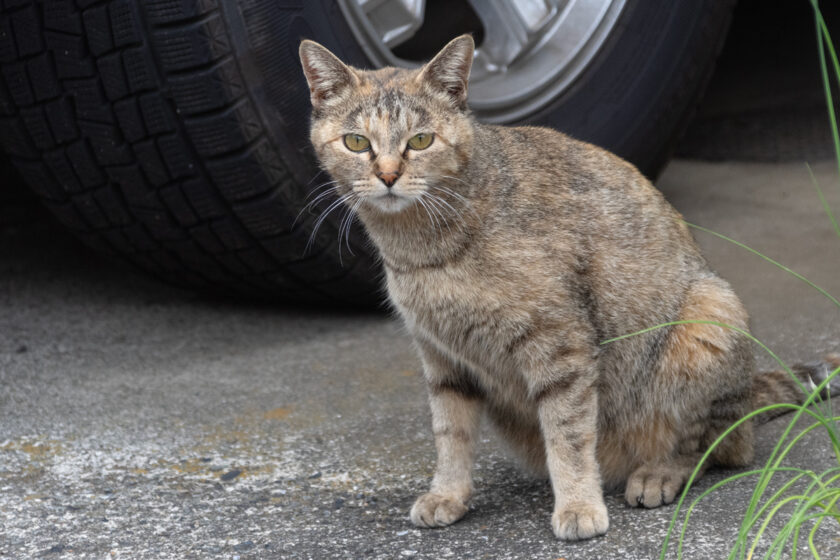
[{"x": 532, "y": 52}]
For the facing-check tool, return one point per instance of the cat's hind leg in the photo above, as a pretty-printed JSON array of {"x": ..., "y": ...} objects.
[
  {"x": 658, "y": 483},
  {"x": 700, "y": 387}
]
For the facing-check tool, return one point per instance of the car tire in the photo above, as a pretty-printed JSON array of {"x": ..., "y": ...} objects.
[
  {"x": 174, "y": 133},
  {"x": 639, "y": 94}
]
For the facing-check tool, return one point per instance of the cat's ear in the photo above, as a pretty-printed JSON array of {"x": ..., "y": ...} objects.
[
  {"x": 329, "y": 78},
  {"x": 449, "y": 71}
]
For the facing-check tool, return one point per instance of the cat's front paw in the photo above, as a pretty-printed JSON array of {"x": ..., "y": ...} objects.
[
  {"x": 580, "y": 520},
  {"x": 435, "y": 510}
]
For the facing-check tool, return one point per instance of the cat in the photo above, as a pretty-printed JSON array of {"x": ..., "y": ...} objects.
[{"x": 511, "y": 254}]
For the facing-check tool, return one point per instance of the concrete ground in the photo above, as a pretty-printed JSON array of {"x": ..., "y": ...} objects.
[{"x": 139, "y": 421}]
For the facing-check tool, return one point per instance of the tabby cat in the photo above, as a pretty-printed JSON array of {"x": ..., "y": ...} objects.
[{"x": 511, "y": 254}]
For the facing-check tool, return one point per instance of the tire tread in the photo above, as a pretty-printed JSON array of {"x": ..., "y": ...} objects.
[{"x": 133, "y": 123}]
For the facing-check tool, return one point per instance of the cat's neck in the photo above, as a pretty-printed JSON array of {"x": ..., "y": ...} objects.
[{"x": 423, "y": 236}]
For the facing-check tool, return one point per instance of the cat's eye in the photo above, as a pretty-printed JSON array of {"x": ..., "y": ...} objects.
[
  {"x": 421, "y": 141},
  {"x": 356, "y": 143}
]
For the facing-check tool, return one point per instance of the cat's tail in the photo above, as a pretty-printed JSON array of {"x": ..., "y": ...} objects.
[{"x": 779, "y": 387}]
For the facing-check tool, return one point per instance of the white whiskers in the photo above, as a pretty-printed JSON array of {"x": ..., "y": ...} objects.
[
  {"x": 344, "y": 225},
  {"x": 343, "y": 199},
  {"x": 426, "y": 203},
  {"x": 327, "y": 188},
  {"x": 443, "y": 207}
]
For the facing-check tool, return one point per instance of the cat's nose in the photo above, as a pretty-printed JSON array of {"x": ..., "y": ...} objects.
[{"x": 388, "y": 177}]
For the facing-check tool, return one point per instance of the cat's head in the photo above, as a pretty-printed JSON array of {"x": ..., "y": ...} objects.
[{"x": 388, "y": 136}]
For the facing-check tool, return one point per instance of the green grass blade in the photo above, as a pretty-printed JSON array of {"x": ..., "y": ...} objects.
[
  {"x": 717, "y": 485},
  {"x": 768, "y": 259},
  {"x": 764, "y": 472},
  {"x": 835, "y": 515},
  {"x": 763, "y": 527},
  {"x": 823, "y": 201},
  {"x": 813, "y": 498},
  {"x": 819, "y": 522},
  {"x": 750, "y": 518},
  {"x": 823, "y": 28},
  {"x": 823, "y": 40},
  {"x": 776, "y": 458},
  {"x": 761, "y": 512}
]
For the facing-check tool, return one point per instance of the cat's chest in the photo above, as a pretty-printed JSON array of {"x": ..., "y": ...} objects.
[{"x": 472, "y": 318}]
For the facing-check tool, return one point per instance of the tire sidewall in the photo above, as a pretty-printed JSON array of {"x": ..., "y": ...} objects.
[{"x": 635, "y": 96}]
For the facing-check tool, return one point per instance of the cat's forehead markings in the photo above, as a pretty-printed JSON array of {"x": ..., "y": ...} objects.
[
  {"x": 422, "y": 116},
  {"x": 352, "y": 116},
  {"x": 389, "y": 101},
  {"x": 386, "y": 107},
  {"x": 383, "y": 121}
]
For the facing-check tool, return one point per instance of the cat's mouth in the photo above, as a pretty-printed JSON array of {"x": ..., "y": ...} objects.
[{"x": 391, "y": 201}]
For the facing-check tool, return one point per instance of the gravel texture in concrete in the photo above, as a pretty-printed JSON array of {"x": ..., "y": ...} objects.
[{"x": 139, "y": 421}]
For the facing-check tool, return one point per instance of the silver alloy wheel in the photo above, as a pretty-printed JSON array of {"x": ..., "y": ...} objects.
[{"x": 533, "y": 50}]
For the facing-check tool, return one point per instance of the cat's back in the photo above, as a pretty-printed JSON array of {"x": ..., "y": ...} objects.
[
  {"x": 592, "y": 215},
  {"x": 544, "y": 164},
  {"x": 541, "y": 180}
]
